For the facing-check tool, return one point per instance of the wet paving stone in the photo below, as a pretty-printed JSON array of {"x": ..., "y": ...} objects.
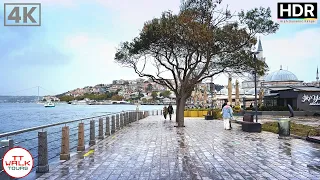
[{"x": 153, "y": 149}]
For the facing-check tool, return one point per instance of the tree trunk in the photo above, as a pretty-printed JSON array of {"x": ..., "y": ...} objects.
[
  {"x": 181, "y": 102},
  {"x": 177, "y": 110}
]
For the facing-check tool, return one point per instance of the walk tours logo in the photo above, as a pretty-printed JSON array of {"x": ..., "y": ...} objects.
[{"x": 17, "y": 162}]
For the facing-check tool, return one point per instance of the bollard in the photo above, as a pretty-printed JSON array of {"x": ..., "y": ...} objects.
[
  {"x": 43, "y": 165},
  {"x": 161, "y": 112},
  {"x": 152, "y": 113},
  {"x": 100, "y": 129},
  {"x": 65, "y": 149},
  {"x": 6, "y": 145},
  {"x": 157, "y": 112},
  {"x": 117, "y": 122},
  {"x": 126, "y": 119},
  {"x": 81, "y": 146},
  {"x": 130, "y": 117},
  {"x": 113, "y": 124},
  {"x": 92, "y": 133},
  {"x": 108, "y": 126},
  {"x": 121, "y": 120}
]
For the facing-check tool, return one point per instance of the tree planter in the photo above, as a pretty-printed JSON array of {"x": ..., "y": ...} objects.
[
  {"x": 186, "y": 113},
  {"x": 193, "y": 114},
  {"x": 202, "y": 113}
]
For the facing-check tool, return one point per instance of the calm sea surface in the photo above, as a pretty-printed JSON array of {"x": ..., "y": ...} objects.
[{"x": 18, "y": 116}]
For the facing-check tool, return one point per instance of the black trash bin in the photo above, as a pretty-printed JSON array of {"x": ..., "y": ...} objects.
[
  {"x": 248, "y": 117},
  {"x": 284, "y": 127}
]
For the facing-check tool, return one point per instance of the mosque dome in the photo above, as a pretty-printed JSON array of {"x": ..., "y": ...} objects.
[{"x": 281, "y": 75}]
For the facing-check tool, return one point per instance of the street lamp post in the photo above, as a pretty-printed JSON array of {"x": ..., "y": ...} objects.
[{"x": 255, "y": 87}]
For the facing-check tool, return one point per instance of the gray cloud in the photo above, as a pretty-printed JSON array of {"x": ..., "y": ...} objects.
[{"x": 23, "y": 46}]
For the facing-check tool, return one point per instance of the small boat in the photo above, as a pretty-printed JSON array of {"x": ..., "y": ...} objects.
[{"x": 49, "y": 104}]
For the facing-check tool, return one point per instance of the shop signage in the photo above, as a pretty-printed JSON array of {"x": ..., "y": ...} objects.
[{"x": 314, "y": 100}]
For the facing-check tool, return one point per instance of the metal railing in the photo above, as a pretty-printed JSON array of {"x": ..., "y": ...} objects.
[{"x": 60, "y": 139}]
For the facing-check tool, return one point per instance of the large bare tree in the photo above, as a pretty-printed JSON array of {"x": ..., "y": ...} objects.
[{"x": 201, "y": 41}]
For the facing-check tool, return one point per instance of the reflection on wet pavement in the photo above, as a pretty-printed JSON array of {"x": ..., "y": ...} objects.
[{"x": 153, "y": 149}]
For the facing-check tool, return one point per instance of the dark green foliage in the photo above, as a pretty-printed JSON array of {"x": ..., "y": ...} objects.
[
  {"x": 165, "y": 94},
  {"x": 154, "y": 95},
  {"x": 97, "y": 97}
]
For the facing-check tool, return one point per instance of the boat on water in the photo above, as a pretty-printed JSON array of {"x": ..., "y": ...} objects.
[{"x": 49, "y": 104}]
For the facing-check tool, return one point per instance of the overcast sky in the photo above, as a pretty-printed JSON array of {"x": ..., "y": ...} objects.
[{"x": 77, "y": 40}]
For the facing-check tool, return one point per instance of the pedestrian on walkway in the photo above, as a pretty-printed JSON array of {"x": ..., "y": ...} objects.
[
  {"x": 227, "y": 114},
  {"x": 170, "y": 111},
  {"x": 165, "y": 112},
  {"x": 225, "y": 103}
]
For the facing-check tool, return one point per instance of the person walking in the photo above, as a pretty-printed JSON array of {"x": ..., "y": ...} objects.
[
  {"x": 170, "y": 111},
  {"x": 227, "y": 114},
  {"x": 165, "y": 112},
  {"x": 225, "y": 103}
]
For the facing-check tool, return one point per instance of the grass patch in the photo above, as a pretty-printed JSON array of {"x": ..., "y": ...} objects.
[{"x": 296, "y": 129}]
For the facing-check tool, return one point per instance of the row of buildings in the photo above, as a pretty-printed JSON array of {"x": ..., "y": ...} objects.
[
  {"x": 125, "y": 88},
  {"x": 278, "y": 88}
]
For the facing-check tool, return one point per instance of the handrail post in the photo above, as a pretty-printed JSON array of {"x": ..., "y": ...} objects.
[
  {"x": 8, "y": 145},
  {"x": 81, "y": 146},
  {"x": 100, "y": 129},
  {"x": 65, "y": 146},
  {"x": 107, "y": 126},
  {"x": 113, "y": 124},
  {"x": 117, "y": 122},
  {"x": 126, "y": 119},
  {"x": 121, "y": 120},
  {"x": 43, "y": 165},
  {"x": 92, "y": 133}
]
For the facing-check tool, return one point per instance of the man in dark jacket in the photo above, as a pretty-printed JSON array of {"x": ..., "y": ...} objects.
[
  {"x": 170, "y": 111},
  {"x": 225, "y": 103}
]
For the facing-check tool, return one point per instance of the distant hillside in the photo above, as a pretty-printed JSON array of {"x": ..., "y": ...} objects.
[{"x": 20, "y": 99}]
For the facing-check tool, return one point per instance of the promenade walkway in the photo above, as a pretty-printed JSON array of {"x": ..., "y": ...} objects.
[{"x": 153, "y": 149}]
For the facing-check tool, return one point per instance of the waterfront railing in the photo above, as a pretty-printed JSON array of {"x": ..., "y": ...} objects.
[{"x": 49, "y": 143}]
